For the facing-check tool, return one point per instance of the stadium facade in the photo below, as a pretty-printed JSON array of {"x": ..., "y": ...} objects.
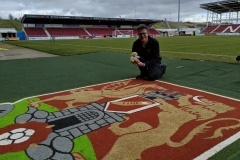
[
  {"x": 222, "y": 17},
  {"x": 222, "y": 12},
  {"x": 43, "y": 27}
]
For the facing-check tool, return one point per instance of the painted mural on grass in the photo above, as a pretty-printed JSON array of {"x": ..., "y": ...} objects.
[{"x": 128, "y": 119}]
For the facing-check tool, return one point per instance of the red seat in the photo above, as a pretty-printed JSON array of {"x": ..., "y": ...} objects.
[
  {"x": 63, "y": 32},
  {"x": 35, "y": 32},
  {"x": 209, "y": 29}
]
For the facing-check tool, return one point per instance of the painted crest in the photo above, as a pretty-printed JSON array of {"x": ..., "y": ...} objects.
[{"x": 128, "y": 119}]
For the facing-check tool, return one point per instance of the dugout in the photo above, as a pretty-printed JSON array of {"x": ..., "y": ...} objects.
[
  {"x": 168, "y": 32},
  {"x": 8, "y": 33}
]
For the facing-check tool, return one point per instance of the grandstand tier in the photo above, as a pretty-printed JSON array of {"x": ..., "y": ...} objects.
[
  {"x": 61, "y": 32},
  {"x": 84, "y": 32},
  {"x": 73, "y": 27},
  {"x": 231, "y": 28}
]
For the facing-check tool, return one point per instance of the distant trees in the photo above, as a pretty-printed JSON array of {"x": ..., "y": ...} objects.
[{"x": 10, "y": 16}]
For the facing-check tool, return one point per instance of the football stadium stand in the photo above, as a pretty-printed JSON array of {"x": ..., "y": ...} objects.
[
  {"x": 223, "y": 17},
  {"x": 222, "y": 12},
  {"x": 40, "y": 27},
  {"x": 233, "y": 28}
]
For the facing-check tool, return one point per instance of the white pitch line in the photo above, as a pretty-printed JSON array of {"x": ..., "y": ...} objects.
[{"x": 179, "y": 67}]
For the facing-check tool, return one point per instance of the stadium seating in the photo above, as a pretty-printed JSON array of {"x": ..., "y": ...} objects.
[
  {"x": 238, "y": 30},
  {"x": 219, "y": 29},
  {"x": 154, "y": 32},
  {"x": 225, "y": 28},
  {"x": 235, "y": 28},
  {"x": 231, "y": 28},
  {"x": 35, "y": 32},
  {"x": 100, "y": 31},
  {"x": 209, "y": 29},
  {"x": 83, "y": 32},
  {"x": 65, "y": 32}
]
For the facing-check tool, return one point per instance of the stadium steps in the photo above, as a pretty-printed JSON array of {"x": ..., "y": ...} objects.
[
  {"x": 169, "y": 27},
  {"x": 45, "y": 30},
  {"x": 87, "y": 31},
  {"x": 208, "y": 29},
  {"x": 220, "y": 29},
  {"x": 215, "y": 29}
]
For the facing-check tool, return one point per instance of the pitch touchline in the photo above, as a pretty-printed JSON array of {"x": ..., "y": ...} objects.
[{"x": 217, "y": 55}]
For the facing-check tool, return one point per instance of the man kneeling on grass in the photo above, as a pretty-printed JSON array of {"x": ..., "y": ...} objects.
[{"x": 150, "y": 60}]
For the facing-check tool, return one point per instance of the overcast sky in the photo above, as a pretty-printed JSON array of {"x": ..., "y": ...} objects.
[{"x": 145, "y": 9}]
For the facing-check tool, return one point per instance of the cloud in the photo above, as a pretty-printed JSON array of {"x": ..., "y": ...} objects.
[{"x": 151, "y": 9}]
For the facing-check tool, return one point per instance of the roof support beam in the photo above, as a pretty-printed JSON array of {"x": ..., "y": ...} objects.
[{"x": 237, "y": 17}]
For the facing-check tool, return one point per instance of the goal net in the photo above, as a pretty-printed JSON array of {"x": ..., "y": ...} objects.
[{"x": 122, "y": 33}]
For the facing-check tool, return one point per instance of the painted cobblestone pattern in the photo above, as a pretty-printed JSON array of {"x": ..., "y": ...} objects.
[
  {"x": 74, "y": 122},
  {"x": 5, "y": 109},
  {"x": 164, "y": 94},
  {"x": 68, "y": 124}
]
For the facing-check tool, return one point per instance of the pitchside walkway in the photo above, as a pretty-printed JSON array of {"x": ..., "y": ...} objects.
[
  {"x": 8, "y": 52},
  {"x": 22, "y": 53},
  {"x": 28, "y": 77}
]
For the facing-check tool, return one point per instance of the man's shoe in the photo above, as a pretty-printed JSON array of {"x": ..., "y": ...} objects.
[
  {"x": 164, "y": 66},
  {"x": 141, "y": 77}
]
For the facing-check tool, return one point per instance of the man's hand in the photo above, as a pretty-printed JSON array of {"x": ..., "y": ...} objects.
[{"x": 140, "y": 64}]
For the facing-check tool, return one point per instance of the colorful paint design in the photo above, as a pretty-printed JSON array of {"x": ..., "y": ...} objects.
[{"x": 128, "y": 119}]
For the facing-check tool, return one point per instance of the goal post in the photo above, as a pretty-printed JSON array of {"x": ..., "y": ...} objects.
[{"x": 122, "y": 33}]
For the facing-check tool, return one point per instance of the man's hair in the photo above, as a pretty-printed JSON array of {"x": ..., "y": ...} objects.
[{"x": 141, "y": 27}]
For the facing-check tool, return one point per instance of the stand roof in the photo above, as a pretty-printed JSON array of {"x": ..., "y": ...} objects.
[
  {"x": 222, "y": 6},
  {"x": 55, "y": 19}
]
